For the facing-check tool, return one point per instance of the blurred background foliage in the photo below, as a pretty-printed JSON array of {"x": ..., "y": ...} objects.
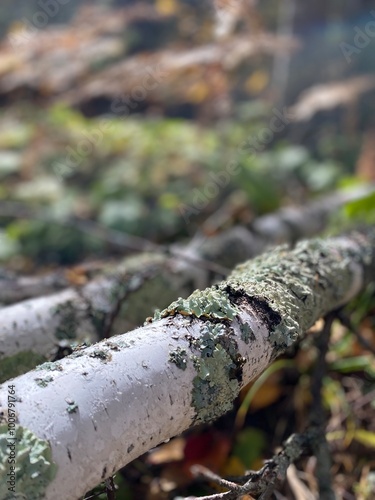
[
  {"x": 62, "y": 74},
  {"x": 139, "y": 175}
]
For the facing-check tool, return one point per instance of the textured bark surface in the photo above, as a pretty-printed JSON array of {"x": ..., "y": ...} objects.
[
  {"x": 31, "y": 329},
  {"x": 93, "y": 412}
]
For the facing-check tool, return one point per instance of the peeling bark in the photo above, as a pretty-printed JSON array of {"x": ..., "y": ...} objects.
[{"x": 117, "y": 399}]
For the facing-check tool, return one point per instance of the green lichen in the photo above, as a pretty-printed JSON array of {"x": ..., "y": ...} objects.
[
  {"x": 247, "y": 333},
  {"x": 18, "y": 364},
  {"x": 213, "y": 388},
  {"x": 112, "y": 345},
  {"x": 43, "y": 382},
  {"x": 50, "y": 366},
  {"x": 99, "y": 353},
  {"x": 125, "y": 344},
  {"x": 213, "y": 334},
  {"x": 68, "y": 321},
  {"x": 218, "y": 371},
  {"x": 33, "y": 465},
  {"x": 290, "y": 290},
  {"x": 157, "y": 292},
  {"x": 210, "y": 303},
  {"x": 79, "y": 350},
  {"x": 72, "y": 407},
  {"x": 179, "y": 358}
]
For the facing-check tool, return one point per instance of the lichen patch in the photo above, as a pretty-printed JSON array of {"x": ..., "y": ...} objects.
[
  {"x": 34, "y": 468},
  {"x": 210, "y": 303}
]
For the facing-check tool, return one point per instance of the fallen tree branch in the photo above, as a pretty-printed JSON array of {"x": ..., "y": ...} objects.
[
  {"x": 286, "y": 225},
  {"x": 76, "y": 421},
  {"x": 346, "y": 321},
  {"x": 264, "y": 481},
  {"x": 318, "y": 416},
  {"x": 32, "y": 329},
  {"x": 108, "y": 305}
]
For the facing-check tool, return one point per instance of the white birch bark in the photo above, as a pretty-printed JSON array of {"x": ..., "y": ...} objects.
[
  {"x": 32, "y": 329},
  {"x": 82, "y": 418}
]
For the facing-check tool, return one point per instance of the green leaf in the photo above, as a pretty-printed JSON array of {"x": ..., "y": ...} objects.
[
  {"x": 363, "y": 208},
  {"x": 249, "y": 445},
  {"x": 364, "y": 437},
  {"x": 354, "y": 364}
]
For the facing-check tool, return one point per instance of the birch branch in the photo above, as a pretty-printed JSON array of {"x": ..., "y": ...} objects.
[
  {"x": 32, "y": 329},
  {"x": 75, "y": 422},
  {"x": 285, "y": 225}
]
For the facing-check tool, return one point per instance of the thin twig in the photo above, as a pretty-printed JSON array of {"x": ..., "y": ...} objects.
[
  {"x": 266, "y": 480},
  {"x": 345, "y": 321},
  {"x": 319, "y": 443},
  {"x": 199, "y": 470},
  {"x": 110, "y": 488}
]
